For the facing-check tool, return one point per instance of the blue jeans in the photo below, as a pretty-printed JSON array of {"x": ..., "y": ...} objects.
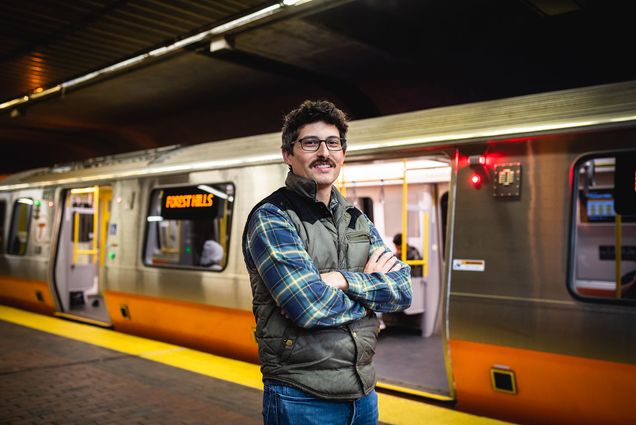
[{"x": 285, "y": 405}]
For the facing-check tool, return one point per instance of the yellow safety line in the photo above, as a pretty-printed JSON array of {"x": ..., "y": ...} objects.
[
  {"x": 401, "y": 411},
  {"x": 398, "y": 388},
  {"x": 242, "y": 373},
  {"x": 82, "y": 319},
  {"x": 393, "y": 410}
]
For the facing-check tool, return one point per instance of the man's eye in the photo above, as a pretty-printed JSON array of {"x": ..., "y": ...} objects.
[{"x": 310, "y": 142}]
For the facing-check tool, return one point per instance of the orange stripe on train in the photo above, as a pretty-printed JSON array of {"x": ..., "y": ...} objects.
[
  {"x": 223, "y": 331},
  {"x": 565, "y": 389},
  {"x": 32, "y": 295}
]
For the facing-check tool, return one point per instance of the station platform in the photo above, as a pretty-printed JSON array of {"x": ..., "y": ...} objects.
[{"x": 54, "y": 371}]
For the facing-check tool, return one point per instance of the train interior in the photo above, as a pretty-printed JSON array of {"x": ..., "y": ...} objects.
[
  {"x": 605, "y": 223},
  {"x": 81, "y": 252},
  {"x": 410, "y": 198}
]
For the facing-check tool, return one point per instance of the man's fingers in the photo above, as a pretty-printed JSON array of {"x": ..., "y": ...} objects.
[
  {"x": 371, "y": 265},
  {"x": 385, "y": 262},
  {"x": 386, "y": 258},
  {"x": 396, "y": 267},
  {"x": 382, "y": 261},
  {"x": 375, "y": 255},
  {"x": 389, "y": 263}
]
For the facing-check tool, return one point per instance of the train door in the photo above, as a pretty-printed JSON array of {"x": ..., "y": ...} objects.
[
  {"x": 405, "y": 200},
  {"x": 80, "y": 253}
]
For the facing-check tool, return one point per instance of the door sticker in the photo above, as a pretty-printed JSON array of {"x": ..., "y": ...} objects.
[{"x": 469, "y": 265}]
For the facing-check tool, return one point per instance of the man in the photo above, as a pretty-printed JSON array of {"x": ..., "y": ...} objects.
[
  {"x": 318, "y": 270},
  {"x": 411, "y": 254}
]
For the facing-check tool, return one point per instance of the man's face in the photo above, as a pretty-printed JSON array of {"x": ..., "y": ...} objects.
[{"x": 322, "y": 166}]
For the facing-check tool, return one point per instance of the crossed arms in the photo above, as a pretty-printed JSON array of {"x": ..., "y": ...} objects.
[{"x": 310, "y": 299}]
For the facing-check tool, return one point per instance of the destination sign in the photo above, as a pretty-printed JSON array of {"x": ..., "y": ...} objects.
[
  {"x": 188, "y": 203},
  {"x": 196, "y": 200}
]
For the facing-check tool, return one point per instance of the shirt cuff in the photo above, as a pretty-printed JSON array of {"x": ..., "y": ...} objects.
[{"x": 356, "y": 282}]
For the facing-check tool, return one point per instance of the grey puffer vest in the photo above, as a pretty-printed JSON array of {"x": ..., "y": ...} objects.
[{"x": 332, "y": 363}]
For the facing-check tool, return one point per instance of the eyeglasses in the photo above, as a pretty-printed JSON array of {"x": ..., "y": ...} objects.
[{"x": 312, "y": 143}]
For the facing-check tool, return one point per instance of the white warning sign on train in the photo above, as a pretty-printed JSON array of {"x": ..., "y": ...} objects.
[{"x": 469, "y": 265}]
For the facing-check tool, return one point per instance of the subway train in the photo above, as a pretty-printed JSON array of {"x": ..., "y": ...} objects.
[{"x": 513, "y": 211}]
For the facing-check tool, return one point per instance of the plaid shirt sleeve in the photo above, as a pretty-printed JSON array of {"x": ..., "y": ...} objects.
[
  {"x": 289, "y": 273},
  {"x": 383, "y": 292}
]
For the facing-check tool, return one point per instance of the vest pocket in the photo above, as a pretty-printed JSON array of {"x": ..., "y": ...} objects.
[
  {"x": 358, "y": 236},
  {"x": 324, "y": 348},
  {"x": 287, "y": 344},
  {"x": 357, "y": 254}
]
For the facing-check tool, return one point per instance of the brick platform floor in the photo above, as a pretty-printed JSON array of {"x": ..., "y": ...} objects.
[{"x": 46, "y": 379}]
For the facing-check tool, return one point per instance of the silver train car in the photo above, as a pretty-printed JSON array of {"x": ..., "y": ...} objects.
[{"x": 517, "y": 208}]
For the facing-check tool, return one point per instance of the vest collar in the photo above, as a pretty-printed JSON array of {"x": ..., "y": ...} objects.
[{"x": 308, "y": 189}]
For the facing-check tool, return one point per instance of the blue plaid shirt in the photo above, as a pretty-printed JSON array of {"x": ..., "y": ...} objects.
[{"x": 294, "y": 282}]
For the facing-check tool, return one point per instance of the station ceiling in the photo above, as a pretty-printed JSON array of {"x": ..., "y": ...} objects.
[{"x": 200, "y": 75}]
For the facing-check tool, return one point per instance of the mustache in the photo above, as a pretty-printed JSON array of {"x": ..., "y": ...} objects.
[{"x": 321, "y": 161}]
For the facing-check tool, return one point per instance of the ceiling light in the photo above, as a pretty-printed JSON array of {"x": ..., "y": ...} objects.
[
  {"x": 218, "y": 30},
  {"x": 294, "y": 2},
  {"x": 209, "y": 189}
]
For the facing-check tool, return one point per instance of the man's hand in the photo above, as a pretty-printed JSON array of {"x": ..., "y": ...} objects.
[
  {"x": 335, "y": 279},
  {"x": 382, "y": 262},
  {"x": 379, "y": 261}
]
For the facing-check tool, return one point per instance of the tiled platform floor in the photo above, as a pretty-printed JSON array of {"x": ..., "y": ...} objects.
[{"x": 47, "y": 379}]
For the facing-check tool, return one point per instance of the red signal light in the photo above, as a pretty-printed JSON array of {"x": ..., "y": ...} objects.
[{"x": 475, "y": 179}]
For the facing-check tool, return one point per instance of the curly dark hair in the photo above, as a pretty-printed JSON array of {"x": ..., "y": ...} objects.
[{"x": 311, "y": 111}]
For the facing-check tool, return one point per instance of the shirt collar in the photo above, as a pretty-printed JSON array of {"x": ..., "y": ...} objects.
[{"x": 309, "y": 188}]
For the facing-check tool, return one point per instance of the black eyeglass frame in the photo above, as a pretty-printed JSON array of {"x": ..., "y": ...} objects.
[{"x": 342, "y": 140}]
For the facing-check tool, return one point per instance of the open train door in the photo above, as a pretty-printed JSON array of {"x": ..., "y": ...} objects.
[
  {"x": 409, "y": 197},
  {"x": 79, "y": 256}
]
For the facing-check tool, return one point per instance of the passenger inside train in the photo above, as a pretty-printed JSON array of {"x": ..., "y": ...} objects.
[
  {"x": 411, "y": 254},
  {"x": 212, "y": 255}
]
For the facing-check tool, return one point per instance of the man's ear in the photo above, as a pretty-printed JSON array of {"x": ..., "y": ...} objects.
[{"x": 286, "y": 158}]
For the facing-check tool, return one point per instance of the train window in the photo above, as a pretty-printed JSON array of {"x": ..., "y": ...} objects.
[
  {"x": 20, "y": 226},
  {"x": 189, "y": 226},
  {"x": 604, "y": 224},
  {"x": 364, "y": 204},
  {"x": 3, "y": 214},
  {"x": 444, "y": 207}
]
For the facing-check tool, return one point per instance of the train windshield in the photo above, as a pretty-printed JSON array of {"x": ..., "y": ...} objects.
[
  {"x": 20, "y": 226},
  {"x": 189, "y": 226},
  {"x": 3, "y": 212},
  {"x": 604, "y": 224}
]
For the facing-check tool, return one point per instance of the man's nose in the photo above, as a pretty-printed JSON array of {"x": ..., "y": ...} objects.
[{"x": 322, "y": 148}]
